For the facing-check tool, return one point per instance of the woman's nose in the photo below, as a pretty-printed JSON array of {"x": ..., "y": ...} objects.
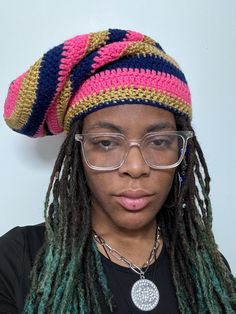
[{"x": 134, "y": 164}]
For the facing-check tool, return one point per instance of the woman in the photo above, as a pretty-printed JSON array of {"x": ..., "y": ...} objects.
[{"x": 128, "y": 220}]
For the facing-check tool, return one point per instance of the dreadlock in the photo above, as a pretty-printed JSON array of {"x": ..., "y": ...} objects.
[
  {"x": 68, "y": 277},
  {"x": 203, "y": 282}
]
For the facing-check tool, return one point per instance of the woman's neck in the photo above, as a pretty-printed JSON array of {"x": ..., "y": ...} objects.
[{"x": 135, "y": 245}]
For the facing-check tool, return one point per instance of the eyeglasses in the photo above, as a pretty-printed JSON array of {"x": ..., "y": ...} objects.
[{"x": 108, "y": 151}]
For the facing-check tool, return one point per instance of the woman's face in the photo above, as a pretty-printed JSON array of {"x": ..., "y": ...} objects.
[{"x": 130, "y": 197}]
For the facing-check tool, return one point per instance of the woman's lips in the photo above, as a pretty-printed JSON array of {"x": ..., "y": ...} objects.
[{"x": 133, "y": 203}]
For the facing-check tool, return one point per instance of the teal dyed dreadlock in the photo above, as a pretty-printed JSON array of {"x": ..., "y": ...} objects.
[
  {"x": 68, "y": 277},
  {"x": 203, "y": 282}
]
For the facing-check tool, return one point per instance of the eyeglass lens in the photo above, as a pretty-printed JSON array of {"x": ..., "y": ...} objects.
[{"x": 110, "y": 150}]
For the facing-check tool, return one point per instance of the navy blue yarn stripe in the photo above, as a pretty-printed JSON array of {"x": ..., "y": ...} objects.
[
  {"x": 45, "y": 90},
  {"x": 159, "y": 47},
  {"x": 82, "y": 71},
  {"x": 133, "y": 101},
  {"x": 148, "y": 63},
  {"x": 116, "y": 35},
  {"x": 119, "y": 35},
  {"x": 46, "y": 130}
]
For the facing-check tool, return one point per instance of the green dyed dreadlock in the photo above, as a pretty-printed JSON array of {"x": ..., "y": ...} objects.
[
  {"x": 203, "y": 282},
  {"x": 68, "y": 277}
]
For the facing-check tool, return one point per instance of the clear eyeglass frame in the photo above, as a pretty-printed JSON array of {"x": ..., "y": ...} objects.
[{"x": 185, "y": 135}]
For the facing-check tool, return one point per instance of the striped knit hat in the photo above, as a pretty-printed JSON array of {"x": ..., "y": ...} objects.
[{"x": 90, "y": 72}]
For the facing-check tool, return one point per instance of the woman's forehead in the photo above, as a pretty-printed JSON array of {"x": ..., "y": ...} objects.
[{"x": 130, "y": 117}]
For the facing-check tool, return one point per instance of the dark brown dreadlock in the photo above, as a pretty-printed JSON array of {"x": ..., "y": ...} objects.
[{"x": 68, "y": 276}]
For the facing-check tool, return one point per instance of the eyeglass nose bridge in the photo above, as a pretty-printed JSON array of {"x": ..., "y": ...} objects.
[{"x": 134, "y": 143}]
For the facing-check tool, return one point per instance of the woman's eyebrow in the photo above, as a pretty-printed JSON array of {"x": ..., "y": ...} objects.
[
  {"x": 118, "y": 129},
  {"x": 106, "y": 125}
]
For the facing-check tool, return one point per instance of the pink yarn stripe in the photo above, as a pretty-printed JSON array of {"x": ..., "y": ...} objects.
[
  {"x": 52, "y": 120},
  {"x": 11, "y": 100},
  {"x": 133, "y": 36},
  {"x": 133, "y": 77},
  {"x": 73, "y": 51},
  {"x": 109, "y": 53},
  {"x": 41, "y": 130}
]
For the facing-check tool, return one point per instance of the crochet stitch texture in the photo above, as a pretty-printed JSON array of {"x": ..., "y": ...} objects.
[{"x": 90, "y": 72}]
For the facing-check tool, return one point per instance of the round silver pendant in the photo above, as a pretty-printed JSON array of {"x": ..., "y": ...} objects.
[{"x": 145, "y": 294}]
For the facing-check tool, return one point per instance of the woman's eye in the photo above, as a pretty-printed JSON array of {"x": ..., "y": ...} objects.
[
  {"x": 105, "y": 143},
  {"x": 108, "y": 143},
  {"x": 160, "y": 142}
]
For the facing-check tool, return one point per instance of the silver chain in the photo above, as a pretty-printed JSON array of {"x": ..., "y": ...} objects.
[{"x": 120, "y": 257}]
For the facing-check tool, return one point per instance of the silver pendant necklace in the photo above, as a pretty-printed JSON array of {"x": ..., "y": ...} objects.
[{"x": 144, "y": 292}]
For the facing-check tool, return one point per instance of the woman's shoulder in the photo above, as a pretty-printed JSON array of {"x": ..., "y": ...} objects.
[
  {"x": 23, "y": 237},
  {"x": 22, "y": 242},
  {"x": 20, "y": 245},
  {"x": 19, "y": 231},
  {"x": 18, "y": 249}
]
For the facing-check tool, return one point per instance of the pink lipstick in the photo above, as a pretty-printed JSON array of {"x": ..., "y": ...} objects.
[{"x": 133, "y": 199}]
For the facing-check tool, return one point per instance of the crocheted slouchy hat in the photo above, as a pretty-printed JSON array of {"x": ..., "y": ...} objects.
[{"x": 90, "y": 72}]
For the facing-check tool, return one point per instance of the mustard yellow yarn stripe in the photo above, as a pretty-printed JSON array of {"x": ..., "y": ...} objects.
[
  {"x": 26, "y": 98},
  {"x": 125, "y": 93},
  {"x": 63, "y": 100},
  {"x": 141, "y": 48},
  {"x": 149, "y": 40},
  {"x": 95, "y": 41}
]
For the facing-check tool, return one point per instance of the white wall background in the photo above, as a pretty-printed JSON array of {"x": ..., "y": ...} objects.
[{"x": 201, "y": 35}]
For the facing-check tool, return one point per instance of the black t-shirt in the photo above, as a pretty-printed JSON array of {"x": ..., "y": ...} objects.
[{"x": 19, "y": 247}]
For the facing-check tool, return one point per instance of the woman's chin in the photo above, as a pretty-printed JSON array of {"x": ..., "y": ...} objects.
[{"x": 134, "y": 221}]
